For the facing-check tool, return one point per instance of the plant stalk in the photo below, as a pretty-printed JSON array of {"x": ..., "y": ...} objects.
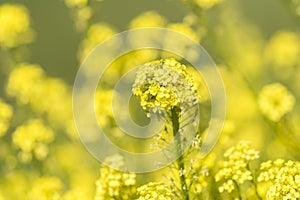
[{"x": 178, "y": 144}]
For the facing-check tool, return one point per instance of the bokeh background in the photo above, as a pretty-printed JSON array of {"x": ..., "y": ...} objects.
[{"x": 255, "y": 44}]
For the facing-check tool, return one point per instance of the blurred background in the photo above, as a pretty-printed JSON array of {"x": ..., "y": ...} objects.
[{"x": 255, "y": 44}]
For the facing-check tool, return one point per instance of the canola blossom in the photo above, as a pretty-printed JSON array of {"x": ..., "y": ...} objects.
[
  {"x": 164, "y": 84},
  {"x": 275, "y": 101},
  {"x": 258, "y": 59},
  {"x": 15, "y": 26}
]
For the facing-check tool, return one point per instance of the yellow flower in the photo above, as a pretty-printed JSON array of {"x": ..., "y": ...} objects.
[
  {"x": 206, "y": 4},
  {"x": 164, "y": 84},
  {"x": 155, "y": 190},
  {"x": 6, "y": 112},
  {"x": 275, "y": 101},
  {"x": 235, "y": 169},
  {"x": 46, "y": 188},
  {"x": 15, "y": 25},
  {"x": 148, "y": 19},
  {"x": 185, "y": 30},
  {"x": 282, "y": 53},
  {"x": 103, "y": 99},
  {"x": 45, "y": 95},
  {"x": 96, "y": 34},
  {"x": 113, "y": 184},
  {"x": 1, "y": 196},
  {"x": 33, "y": 137},
  {"x": 283, "y": 49},
  {"x": 25, "y": 87},
  {"x": 284, "y": 178},
  {"x": 76, "y": 194}
]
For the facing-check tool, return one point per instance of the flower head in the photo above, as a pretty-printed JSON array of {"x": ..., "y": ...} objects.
[
  {"x": 32, "y": 138},
  {"x": 148, "y": 19},
  {"x": 96, "y": 34},
  {"x": 114, "y": 184},
  {"x": 235, "y": 169},
  {"x": 155, "y": 190},
  {"x": 284, "y": 178},
  {"x": 15, "y": 25},
  {"x": 6, "y": 112},
  {"x": 283, "y": 49},
  {"x": 164, "y": 84},
  {"x": 46, "y": 188},
  {"x": 275, "y": 101}
]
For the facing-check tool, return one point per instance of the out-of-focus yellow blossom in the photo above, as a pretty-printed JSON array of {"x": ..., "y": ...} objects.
[
  {"x": 1, "y": 196},
  {"x": 76, "y": 3},
  {"x": 32, "y": 138},
  {"x": 283, "y": 49},
  {"x": 76, "y": 194},
  {"x": 145, "y": 20},
  {"x": 103, "y": 99},
  {"x": 81, "y": 17},
  {"x": 275, "y": 101},
  {"x": 96, "y": 34},
  {"x": 15, "y": 25},
  {"x": 29, "y": 84},
  {"x": 34, "y": 86},
  {"x": 282, "y": 53},
  {"x": 46, "y": 188},
  {"x": 148, "y": 19},
  {"x": 284, "y": 178},
  {"x": 206, "y": 4},
  {"x": 164, "y": 84},
  {"x": 6, "y": 112},
  {"x": 235, "y": 170},
  {"x": 181, "y": 45},
  {"x": 25, "y": 82},
  {"x": 58, "y": 96},
  {"x": 155, "y": 190},
  {"x": 138, "y": 57},
  {"x": 185, "y": 30},
  {"x": 113, "y": 184}
]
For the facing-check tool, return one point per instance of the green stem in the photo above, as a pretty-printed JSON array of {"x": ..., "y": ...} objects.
[
  {"x": 254, "y": 182},
  {"x": 180, "y": 161},
  {"x": 255, "y": 188},
  {"x": 238, "y": 190}
]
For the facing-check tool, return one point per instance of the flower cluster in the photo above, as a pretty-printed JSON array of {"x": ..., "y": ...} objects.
[
  {"x": 114, "y": 184},
  {"x": 58, "y": 102},
  {"x": 284, "y": 178},
  {"x": 148, "y": 19},
  {"x": 80, "y": 12},
  {"x": 164, "y": 84},
  {"x": 269, "y": 170},
  {"x": 32, "y": 138},
  {"x": 46, "y": 188},
  {"x": 95, "y": 34},
  {"x": 155, "y": 190},
  {"x": 275, "y": 101},
  {"x": 184, "y": 29},
  {"x": 283, "y": 49},
  {"x": 75, "y": 194},
  {"x": 236, "y": 169},
  {"x": 15, "y": 26},
  {"x": 103, "y": 112},
  {"x": 6, "y": 112}
]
